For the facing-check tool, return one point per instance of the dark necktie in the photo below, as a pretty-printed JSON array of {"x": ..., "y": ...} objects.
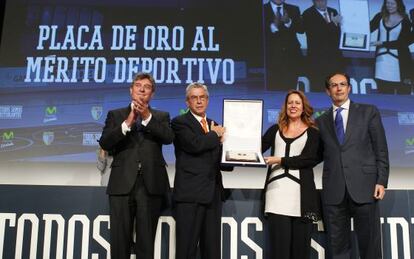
[
  {"x": 278, "y": 11},
  {"x": 138, "y": 123},
  {"x": 339, "y": 126}
]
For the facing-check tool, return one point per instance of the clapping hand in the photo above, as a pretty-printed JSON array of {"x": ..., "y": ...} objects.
[
  {"x": 337, "y": 19},
  {"x": 285, "y": 18},
  {"x": 276, "y": 20},
  {"x": 139, "y": 109}
]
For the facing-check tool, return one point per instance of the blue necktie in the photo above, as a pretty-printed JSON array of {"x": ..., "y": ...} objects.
[{"x": 339, "y": 126}]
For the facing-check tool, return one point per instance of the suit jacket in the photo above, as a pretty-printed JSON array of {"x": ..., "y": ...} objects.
[
  {"x": 137, "y": 149},
  {"x": 412, "y": 24},
  {"x": 322, "y": 37},
  {"x": 362, "y": 160},
  {"x": 285, "y": 39},
  {"x": 283, "y": 56},
  {"x": 197, "y": 166}
]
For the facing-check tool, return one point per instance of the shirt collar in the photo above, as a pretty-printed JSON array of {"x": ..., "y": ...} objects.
[
  {"x": 322, "y": 12},
  {"x": 345, "y": 105},
  {"x": 199, "y": 118},
  {"x": 275, "y": 5}
]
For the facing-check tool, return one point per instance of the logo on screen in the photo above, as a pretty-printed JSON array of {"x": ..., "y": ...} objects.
[
  {"x": 184, "y": 111},
  {"x": 11, "y": 112},
  {"x": 272, "y": 115},
  {"x": 91, "y": 138},
  {"x": 7, "y": 139},
  {"x": 406, "y": 118},
  {"x": 96, "y": 112},
  {"x": 409, "y": 145},
  {"x": 48, "y": 137},
  {"x": 50, "y": 114},
  {"x": 316, "y": 114}
]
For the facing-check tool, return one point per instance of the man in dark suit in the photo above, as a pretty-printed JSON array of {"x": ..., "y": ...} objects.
[
  {"x": 322, "y": 28},
  {"x": 197, "y": 185},
  {"x": 355, "y": 170},
  {"x": 283, "y": 55},
  {"x": 138, "y": 180},
  {"x": 412, "y": 25}
]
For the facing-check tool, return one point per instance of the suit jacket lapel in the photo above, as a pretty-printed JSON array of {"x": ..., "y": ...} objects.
[
  {"x": 196, "y": 124},
  {"x": 331, "y": 123},
  {"x": 209, "y": 124},
  {"x": 318, "y": 16},
  {"x": 351, "y": 118}
]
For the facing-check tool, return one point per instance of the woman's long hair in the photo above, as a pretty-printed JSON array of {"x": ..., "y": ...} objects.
[
  {"x": 306, "y": 115},
  {"x": 400, "y": 9}
]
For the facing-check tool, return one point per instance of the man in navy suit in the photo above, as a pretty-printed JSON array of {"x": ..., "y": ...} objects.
[
  {"x": 355, "y": 170},
  {"x": 283, "y": 55},
  {"x": 323, "y": 31},
  {"x": 198, "y": 185},
  {"x": 138, "y": 181}
]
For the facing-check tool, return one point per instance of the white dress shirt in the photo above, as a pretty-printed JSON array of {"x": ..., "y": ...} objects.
[
  {"x": 323, "y": 13},
  {"x": 199, "y": 118}
]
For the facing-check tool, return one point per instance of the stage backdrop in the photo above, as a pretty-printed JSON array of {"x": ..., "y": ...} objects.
[{"x": 73, "y": 222}]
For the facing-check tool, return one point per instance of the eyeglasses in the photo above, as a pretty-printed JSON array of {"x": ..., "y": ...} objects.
[
  {"x": 146, "y": 87},
  {"x": 195, "y": 98},
  {"x": 340, "y": 85}
]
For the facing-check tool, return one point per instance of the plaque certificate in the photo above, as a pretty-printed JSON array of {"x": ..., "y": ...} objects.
[
  {"x": 355, "y": 40},
  {"x": 242, "y": 140},
  {"x": 355, "y": 31}
]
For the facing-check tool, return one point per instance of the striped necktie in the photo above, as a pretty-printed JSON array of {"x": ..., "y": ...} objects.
[{"x": 204, "y": 125}]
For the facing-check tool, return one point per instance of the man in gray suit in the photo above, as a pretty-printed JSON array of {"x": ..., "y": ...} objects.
[{"x": 355, "y": 171}]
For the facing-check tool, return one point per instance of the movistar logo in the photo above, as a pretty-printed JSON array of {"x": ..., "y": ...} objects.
[
  {"x": 318, "y": 113},
  {"x": 184, "y": 111},
  {"x": 51, "y": 110},
  {"x": 409, "y": 145},
  {"x": 409, "y": 142},
  {"x": 50, "y": 114},
  {"x": 8, "y": 136}
]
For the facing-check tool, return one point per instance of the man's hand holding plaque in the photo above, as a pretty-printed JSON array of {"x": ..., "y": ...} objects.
[{"x": 219, "y": 130}]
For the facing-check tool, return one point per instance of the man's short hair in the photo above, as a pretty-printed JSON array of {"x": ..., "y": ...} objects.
[
  {"x": 328, "y": 78},
  {"x": 195, "y": 85},
  {"x": 143, "y": 75}
]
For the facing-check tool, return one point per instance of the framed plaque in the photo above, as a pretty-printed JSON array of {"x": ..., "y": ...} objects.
[
  {"x": 355, "y": 31},
  {"x": 243, "y": 137},
  {"x": 355, "y": 40}
]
